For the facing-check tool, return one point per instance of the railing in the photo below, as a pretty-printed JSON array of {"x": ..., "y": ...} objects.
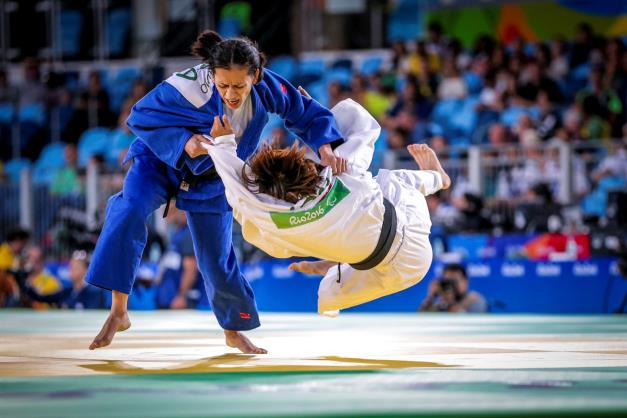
[
  {"x": 508, "y": 172},
  {"x": 63, "y": 222}
]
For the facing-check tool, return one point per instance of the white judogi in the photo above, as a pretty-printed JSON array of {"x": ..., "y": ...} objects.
[{"x": 344, "y": 222}]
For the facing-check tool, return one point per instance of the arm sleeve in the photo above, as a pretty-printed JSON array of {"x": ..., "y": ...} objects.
[
  {"x": 229, "y": 166},
  {"x": 360, "y": 130},
  {"x": 305, "y": 117},
  {"x": 165, "y": 120}
]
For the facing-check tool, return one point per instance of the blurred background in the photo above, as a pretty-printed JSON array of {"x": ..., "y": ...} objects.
[{"x": 524, "y": 101}]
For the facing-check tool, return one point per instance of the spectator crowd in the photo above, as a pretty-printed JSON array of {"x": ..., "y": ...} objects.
[{"x": 519, "y": 101}]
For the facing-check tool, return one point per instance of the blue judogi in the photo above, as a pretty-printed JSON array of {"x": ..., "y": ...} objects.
[{"x": 163, "y": 121}]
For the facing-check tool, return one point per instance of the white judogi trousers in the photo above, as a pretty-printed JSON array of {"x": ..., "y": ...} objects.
[{"x": 410, "y": 256}]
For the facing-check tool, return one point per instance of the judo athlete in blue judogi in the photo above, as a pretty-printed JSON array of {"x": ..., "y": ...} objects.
[{"x": 169, "y": 161}]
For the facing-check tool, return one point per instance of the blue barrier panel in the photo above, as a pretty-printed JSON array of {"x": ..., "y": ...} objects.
[{"x": 592, "y": 286}]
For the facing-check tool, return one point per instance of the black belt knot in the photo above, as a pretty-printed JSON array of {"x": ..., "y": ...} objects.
[{"x": 190, "y": 180}]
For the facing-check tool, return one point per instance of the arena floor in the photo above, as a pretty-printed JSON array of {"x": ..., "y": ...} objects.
[{"x": 174, "y": 364}]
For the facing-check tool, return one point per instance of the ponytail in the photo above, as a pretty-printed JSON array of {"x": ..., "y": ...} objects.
[{"x": 205, "y": 42}]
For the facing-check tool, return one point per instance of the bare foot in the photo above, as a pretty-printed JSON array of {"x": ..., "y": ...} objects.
[
  {"x": 238, "y": 340},
  {"x": 319, "y": 268},
  {"x": 114, "y": 323},
  {"x": 427, "y": 160}
]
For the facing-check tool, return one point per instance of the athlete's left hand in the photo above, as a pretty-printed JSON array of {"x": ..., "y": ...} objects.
[
  {"x": 327, "y": 158},
  {"x": 221, "y": 128},
  {"x": 304, "y": 92}
]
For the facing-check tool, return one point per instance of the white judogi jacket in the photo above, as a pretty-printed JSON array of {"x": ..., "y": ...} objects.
[{"x": 344, "y": 222}]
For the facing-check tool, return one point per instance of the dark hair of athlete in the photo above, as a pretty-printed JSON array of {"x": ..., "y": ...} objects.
[
  {"x": 282, "y": 173},
  {"x": 227, "y": 53}
]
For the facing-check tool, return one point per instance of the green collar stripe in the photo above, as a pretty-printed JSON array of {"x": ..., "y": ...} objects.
[{"x": 291, "y": 219}]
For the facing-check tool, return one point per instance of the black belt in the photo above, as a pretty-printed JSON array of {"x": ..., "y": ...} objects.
[
  {"x": 193, "y": 179},
  {"x": 386, "y": 238},
  {"x": 190, "y": 180}
]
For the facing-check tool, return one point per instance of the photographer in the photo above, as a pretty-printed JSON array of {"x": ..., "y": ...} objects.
[{"x": 450, "y": 293}]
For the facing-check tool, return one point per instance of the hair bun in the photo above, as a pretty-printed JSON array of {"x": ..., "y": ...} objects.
[{"x": 204, "y": 43}]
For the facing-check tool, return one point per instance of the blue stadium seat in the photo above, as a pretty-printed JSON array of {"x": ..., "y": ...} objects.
[
  {"x": 534, "y": 112},
  {"x": 51, "y": 159},
  {"x": 311, "y": 66},
  {"x": 6, "y": 112},
  {"x": 118, "y": 28},
  {"x": 341, "y": 75},
  {"x": 319, "y": 92},
  {"x": 93, "y": 141},
  {"x": 34, "y": 113},
  {"x": 459, "y": 142},
  {"x": 345, "y": 63},
  {"x": 402, "y": 24},
  {"x": 14, "y": 167},
  {"x": 435, "y": 129},
  {"x": 511, "y": 115},
  {"x": 229, "y": 27},
  {"x": 285, "y": 65},
  {"x": 120, "y": 140},
  {"x": 120, "y": 86},
  {"x": 474, "y": 82},
  {"x": 71, "y": 27},
  {"x": 307, "y": 79},
  {"x": 371, "y": 65},
  {"x": 443, "y": 112},
  {"x": 380, "y": 148},
  {"x": 52, "y": 155},
  {"x": 595, "y": 203},
  {"x": 464, "y": 120}
]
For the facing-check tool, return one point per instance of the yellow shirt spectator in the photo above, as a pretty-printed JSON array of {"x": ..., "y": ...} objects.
[{"x": 7, "y": 258}]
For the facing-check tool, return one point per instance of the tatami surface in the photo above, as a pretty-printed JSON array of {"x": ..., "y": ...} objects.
[{"x": 175, "y": 364}]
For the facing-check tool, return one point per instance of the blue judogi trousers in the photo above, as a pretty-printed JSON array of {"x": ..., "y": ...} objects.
[{"x": 118, "y": 252}]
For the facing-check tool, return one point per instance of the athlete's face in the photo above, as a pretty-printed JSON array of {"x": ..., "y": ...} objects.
[{"x": 234, "y": 84}]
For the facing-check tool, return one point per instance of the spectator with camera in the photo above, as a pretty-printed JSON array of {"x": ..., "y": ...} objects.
[{"x": 450, "y": 293}]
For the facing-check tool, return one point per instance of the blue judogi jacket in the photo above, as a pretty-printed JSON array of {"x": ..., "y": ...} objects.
[{"x": 187, "y": 102}]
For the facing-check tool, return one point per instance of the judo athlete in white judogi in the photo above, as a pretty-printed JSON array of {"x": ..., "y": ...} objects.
[{"x": 373, "y": 232}]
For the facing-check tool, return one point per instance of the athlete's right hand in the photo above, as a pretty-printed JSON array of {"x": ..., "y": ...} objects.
[
  {"x": 193, "y": 146},
  {"x": 221, "y": 128}
]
